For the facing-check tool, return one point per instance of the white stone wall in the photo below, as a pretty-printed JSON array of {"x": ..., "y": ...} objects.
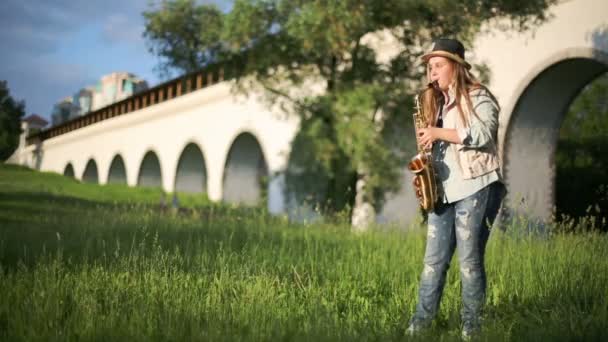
[
  {"x": 212, "y": 118},
  {"x": 535, "y": 77},
  {"x": 515, "y": 59},
  {"x": 547, "y": 67}
]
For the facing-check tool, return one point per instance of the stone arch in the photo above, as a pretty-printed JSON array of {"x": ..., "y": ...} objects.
[
  {"x": 150, "y": 171},
  {"x": 117, "y": 174},
  {"x": 191, "y": 172},
  {"x": 69, "y": 171},
  {"x": 244, "y": 171},
  {"x": 529, "y": 139},
  {"x": 90, "y": 174}
]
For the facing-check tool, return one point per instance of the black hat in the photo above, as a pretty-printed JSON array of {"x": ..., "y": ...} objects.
[{"x": 449, "y": 48}]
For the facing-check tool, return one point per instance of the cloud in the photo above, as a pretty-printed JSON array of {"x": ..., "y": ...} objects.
[
  {"x": 35, "y": 34},
  {"x": 26, "y": 29},
  {"x": 34, "y": 27},
  {"x": 41, "y": 82},
  {"x": 38, "y": 35},
  {"x": 119, "y": 28}
]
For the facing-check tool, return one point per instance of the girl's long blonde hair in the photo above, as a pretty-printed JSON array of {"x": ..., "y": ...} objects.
[{"x": 464, "y": 82}]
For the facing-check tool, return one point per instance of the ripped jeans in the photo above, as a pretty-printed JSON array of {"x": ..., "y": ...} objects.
[{"x": 462, "y": 224}]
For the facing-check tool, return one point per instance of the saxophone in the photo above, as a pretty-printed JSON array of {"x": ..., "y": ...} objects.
[{"x": 422, "y": 163}]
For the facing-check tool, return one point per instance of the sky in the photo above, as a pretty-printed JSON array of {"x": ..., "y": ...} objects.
[{"x": 50, "y": 49}]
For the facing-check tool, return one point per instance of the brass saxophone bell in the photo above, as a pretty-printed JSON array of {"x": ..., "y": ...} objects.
[{"x": 421, "y": 164}]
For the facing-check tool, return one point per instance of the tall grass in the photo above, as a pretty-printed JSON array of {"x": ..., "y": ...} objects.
[{"x": 85, "y": 262}]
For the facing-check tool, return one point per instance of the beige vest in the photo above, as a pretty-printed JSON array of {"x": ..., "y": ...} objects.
[{"x": 473, "y": 161}]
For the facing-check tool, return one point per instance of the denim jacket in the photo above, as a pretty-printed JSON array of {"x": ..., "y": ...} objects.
[
  {"x": 464, "y": 169},
  {"x": 477, "y": 155}
]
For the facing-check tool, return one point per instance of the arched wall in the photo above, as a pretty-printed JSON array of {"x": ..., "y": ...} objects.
[
  {"x": 244, "y": 169},
  {"x": 91, "y": 173},
  {"x": 532, "y": 130},
  {"x": 117, "y": 173},
  {"x": 535, "y": 76},
  {"x": 150, "y": 174},
  {"x": 191, "y": 173},
  {"x": 69, "y": 171},
  {"x": 212, "y": 117}
]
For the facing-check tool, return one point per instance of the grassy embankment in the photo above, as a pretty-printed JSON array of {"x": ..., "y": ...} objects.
[{"x": 80, "y": 261}]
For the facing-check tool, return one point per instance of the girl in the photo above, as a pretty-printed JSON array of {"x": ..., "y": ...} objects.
[{"x": 464, "y": 149}]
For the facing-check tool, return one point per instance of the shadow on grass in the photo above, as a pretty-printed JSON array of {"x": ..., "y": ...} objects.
[
  {"x": 563, "y": 316},
  {"x": 38, "y": 224}
]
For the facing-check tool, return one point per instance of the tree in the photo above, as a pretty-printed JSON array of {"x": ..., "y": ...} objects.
[
  {"x": 184, "y": 35},
  {"x": 581, "y": 157},
  {"x": 316, "y": 59},
  {"x": 11, "y": 112}
]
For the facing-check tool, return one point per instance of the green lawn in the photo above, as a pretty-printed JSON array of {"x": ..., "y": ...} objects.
[{"x": 88, "y": 262}]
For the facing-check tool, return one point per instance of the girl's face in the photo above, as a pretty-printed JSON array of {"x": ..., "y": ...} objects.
[{"x": 441, "y": 70}]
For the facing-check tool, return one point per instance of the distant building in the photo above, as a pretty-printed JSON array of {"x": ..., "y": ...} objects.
[
  {"x": 34, "y": 122},
  {"x": 115, "y": 87},
  {"x": 63, "y": 111},
  {"x": 83, "y": 101},
  {"x": 110, "y": 89},
  {"x": 29, "y": 125}
]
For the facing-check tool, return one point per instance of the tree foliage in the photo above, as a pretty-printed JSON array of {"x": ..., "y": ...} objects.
[
  {"x": 320, "y": 60},
  {"x": 581, "y": 157},
  {"x": 11, "y": 112},
  {"x": 186, "y": 36}
]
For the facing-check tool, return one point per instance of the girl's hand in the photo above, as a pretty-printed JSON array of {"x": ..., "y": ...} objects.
[{"x": 427, "y": 136}]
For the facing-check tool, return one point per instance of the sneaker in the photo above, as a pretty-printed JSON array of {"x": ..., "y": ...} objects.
[
  {"x": 416, "y": 327},
  {"x": 469, "y": 330}
]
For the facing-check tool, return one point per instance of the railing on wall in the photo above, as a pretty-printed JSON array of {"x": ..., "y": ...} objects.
[{"x": 160, "y": 93}]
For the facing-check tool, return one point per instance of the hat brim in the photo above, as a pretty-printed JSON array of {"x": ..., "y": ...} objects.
[{"x": 445, "y": 54}]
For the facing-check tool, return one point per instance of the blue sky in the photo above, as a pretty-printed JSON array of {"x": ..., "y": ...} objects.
[{"x": 52, "y": 48}]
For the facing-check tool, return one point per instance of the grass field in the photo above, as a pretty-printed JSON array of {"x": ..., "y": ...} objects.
[{"x": 88, "y": 262}]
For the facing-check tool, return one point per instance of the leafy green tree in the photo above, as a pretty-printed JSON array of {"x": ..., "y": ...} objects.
[
  {"x": 318, "y": 60},
  {"x": 581, "y": 157},
  {"x": 11, "y": 112},
  {"x": 184, "y": 35}
]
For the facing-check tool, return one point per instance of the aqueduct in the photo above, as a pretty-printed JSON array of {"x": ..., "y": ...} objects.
[{"x": 191, "y": 134}]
